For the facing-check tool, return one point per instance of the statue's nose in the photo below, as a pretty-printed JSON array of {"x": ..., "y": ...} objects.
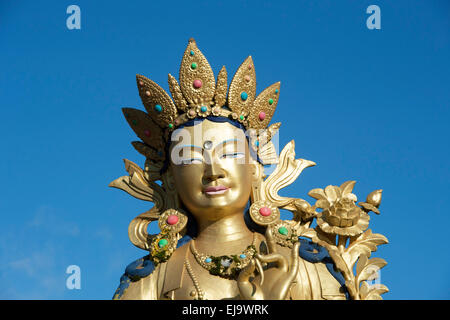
[{"x": 213, "y": 170}]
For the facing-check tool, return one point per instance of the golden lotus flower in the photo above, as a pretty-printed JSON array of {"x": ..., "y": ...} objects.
[{"x": 340, "y": 215}]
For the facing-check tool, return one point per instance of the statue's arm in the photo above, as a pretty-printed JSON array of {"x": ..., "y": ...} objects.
[{"x": 315, "y": 282}]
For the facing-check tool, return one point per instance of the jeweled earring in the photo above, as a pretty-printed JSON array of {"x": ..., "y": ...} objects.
[
  {"x": 265, "y": 213},
  {"x": 283, "y": 233},
  {"x": 172, "y": 224}
]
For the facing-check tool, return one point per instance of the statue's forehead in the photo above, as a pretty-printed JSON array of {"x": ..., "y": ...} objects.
[{"x": 205, "y": 131}]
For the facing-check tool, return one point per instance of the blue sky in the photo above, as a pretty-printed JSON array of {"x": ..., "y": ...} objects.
[{"x": 365, "y": 105}]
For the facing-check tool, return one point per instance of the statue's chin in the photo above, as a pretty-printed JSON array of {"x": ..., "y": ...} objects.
[{"x": 216, "y": 209}]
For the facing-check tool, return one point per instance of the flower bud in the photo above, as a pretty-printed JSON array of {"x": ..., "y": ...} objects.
[{"x": 374, "y": 198}]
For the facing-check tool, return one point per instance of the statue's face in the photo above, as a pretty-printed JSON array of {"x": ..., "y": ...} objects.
[{"x": 212, "y": 169}]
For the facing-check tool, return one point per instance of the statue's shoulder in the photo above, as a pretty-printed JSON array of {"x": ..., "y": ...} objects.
[
  {"x": 138, "y": 281},
  {"x": 144, "y": 279}
]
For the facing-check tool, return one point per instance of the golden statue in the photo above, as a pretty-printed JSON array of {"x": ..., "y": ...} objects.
[{"x": 221, "y": 235}]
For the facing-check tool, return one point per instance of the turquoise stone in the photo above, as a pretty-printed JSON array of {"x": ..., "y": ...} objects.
[
  {"x": 203, "y": 108},
  {"x": 276, "y": 91},
  {"x": 158, "y": 108},
  {"x": 244, "y": 95},
  {"x": 257, "y": 143},
  {"x": 208, "y": 260},
  {"x": 191, "y": 53},
  {"x": 242, "y": 256}
]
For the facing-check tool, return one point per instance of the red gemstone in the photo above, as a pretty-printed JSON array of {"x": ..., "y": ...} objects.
[
  {"x": 198, "y": 83},
  {"x": 262, "y": 115},
  {"x": 147, "y": 133},
  {"x": 172, "y": 219},
  {"x": 265, "y": 211}
]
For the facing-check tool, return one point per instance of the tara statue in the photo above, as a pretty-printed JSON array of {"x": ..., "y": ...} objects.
[{"x": 221, "y": 234}]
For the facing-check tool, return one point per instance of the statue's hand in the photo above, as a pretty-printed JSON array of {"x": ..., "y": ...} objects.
[{"x": 274, "y": 283}]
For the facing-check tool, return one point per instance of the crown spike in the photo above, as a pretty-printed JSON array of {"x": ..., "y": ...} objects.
[
  {"x": 157, "y": 102},
  {"x": 148, "y": 152},
  {"x": 264, "y": 106},
  {"x": 144, "y": 127},
  {"x": 243, "y": 88},
  {"x": 197, "y": 81},
  {"x": 220, "y": 95},
  {"x": 177, "y": 95}
]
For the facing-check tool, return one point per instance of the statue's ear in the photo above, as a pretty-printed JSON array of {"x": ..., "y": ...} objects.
[
  {"x": 254, "y": 167},
  {"x": 171, "y": 195},
  {"x": 168, "y": 179},
  {"x": 257, "y": 172}
]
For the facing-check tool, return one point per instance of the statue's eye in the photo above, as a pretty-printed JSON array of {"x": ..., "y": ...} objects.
[
  {"x": 192, "y": 161},
  {"x": 234, "y": 155}
]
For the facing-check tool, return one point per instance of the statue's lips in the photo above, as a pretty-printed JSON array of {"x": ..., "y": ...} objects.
[{"x": 215, "y": 190}]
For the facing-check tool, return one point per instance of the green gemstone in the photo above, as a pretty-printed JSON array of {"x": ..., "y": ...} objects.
[
  {"x": 194, "y": 65},
  {"x": 170, "y": 126},
  {"x": 162, "y": 243},
  {"x": 134, "y": 122},
  {"x": 283, "y": 230},
  {"x": 241, "y": 117},
  {"x": 270, "y": 101}
]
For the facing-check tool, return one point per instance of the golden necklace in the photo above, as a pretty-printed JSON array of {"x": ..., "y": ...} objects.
[{"x": 226, "y": 266}]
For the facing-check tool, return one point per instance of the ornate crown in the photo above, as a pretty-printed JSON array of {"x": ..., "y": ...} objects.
[{"x": 198, "y": 95}]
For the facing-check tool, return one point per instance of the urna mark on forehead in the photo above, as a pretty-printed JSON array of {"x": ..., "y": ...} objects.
[{"x": 207, "y": 135}]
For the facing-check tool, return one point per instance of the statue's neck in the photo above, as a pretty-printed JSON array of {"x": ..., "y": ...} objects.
[{"x": 224, "y": 236}]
